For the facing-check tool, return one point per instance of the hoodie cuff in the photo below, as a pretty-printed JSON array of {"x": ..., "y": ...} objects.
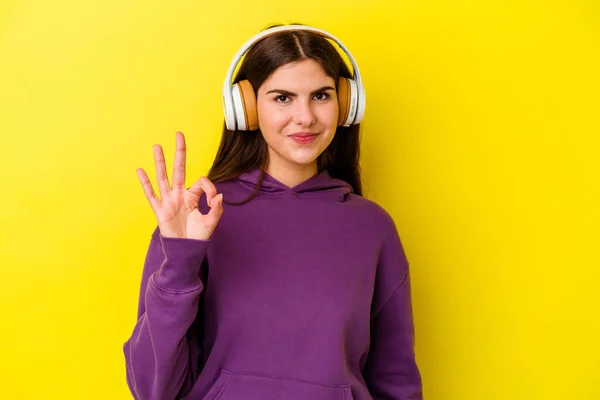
[{"x": 180, "y": 270}]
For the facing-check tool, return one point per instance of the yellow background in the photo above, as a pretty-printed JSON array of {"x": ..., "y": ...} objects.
[{"x": 481, "y": 139}]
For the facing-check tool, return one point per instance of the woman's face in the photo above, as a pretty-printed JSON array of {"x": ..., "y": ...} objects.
[{"x": 297, "y": 114}]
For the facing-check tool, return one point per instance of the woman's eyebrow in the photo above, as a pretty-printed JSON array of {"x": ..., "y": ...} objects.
[{"x": 288, "y": 93}]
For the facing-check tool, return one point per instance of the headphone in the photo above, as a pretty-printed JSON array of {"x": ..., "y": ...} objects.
[{"x": 239, "y": 99}]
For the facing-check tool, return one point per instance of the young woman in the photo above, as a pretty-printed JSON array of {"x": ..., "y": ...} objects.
[{"x": 272, "y": 277}]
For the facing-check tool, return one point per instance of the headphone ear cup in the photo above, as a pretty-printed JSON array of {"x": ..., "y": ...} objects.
[
  {"x": 343, "y": 94},
  {"x": 347, "y": 91},
  {"x": 244, "y": 101},
  {"x": 249, "y": 101}
]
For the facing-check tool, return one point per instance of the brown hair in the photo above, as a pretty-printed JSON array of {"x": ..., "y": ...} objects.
[{"x": 242, "y": 151}]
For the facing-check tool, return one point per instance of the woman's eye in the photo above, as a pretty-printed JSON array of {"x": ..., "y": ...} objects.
[{"x": 286, "y": 99}]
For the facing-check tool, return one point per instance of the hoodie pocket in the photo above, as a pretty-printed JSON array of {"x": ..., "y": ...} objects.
[{"x": 234, "y": 386}]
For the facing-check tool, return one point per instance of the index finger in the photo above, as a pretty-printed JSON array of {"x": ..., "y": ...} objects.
[
  {"x": 209, "y": 188},
  {"x": 204, "y": 185}
]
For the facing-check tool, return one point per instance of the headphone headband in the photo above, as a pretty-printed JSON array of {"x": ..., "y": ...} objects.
[{"x": 227, "y": 85}]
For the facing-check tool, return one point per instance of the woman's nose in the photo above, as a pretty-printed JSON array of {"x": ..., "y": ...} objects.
[{"x": 303, "y": 113}]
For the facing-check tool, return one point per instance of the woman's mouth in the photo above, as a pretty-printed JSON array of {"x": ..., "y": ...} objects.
[{"x": 304, "y": 138}]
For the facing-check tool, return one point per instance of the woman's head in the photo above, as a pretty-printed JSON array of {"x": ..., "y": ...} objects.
[
  {"x": 297, "y": 114},
  {"x": 294, "y": 75}
]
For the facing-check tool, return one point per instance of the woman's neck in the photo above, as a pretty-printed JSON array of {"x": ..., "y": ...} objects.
[{"x": 292, "y": 175}]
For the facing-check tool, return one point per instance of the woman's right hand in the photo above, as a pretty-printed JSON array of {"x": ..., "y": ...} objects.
[{"x": 177, "y": 211}]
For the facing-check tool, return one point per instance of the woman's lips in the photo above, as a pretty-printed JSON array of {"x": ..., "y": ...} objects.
[{"x": 303, "y": 138}]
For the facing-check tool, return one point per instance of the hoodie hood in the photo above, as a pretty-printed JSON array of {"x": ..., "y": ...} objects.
[{"x": 321, "y": 185}]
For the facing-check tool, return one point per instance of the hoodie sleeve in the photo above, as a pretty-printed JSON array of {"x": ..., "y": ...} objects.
[
  {"x": 159, "y": 355},
  {"x": 391, "y": 371}
]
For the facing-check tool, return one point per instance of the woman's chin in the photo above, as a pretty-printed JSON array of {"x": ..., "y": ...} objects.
[{"x": 305, "y": 160}]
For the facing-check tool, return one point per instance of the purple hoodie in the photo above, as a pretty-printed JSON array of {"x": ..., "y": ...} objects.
[{"x": 301, "y": 294}]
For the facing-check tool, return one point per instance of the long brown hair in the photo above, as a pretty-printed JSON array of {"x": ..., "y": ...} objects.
[{"x": 242, "y": 151}]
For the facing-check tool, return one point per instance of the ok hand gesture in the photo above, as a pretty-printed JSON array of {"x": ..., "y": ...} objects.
[{"x": 177, "y": 211}]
